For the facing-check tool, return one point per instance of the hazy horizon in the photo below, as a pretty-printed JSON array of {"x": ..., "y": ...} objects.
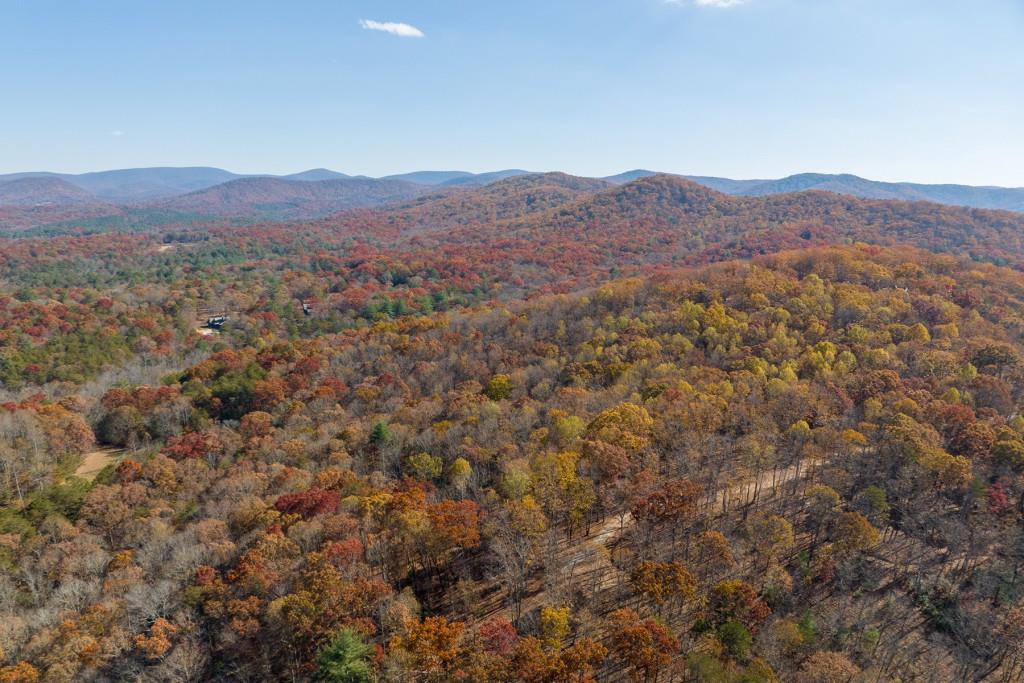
[{"x": 356, "y": 174}]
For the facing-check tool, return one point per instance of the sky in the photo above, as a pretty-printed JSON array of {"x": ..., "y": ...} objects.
[{"x": 916, "y": 90}]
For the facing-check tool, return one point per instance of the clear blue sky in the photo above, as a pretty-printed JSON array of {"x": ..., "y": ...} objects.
[{"x": 925, "y": 90}]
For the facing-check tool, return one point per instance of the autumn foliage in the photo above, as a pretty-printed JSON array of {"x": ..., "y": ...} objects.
[{"x": 531, "y": 434}]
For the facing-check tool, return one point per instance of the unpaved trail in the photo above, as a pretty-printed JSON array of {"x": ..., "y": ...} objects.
[
  {"x": 765, "y": 485},
  {"x": 612, "y": 527},
  {"x": 588, "y": 557},
  {"x": 94, "y": 462},
  {"x": 589, "y": 554}
]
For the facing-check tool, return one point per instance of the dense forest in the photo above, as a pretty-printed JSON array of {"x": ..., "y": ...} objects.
[
  {"x": 75, "y": 305},
  {"x": 545, "y": 430}
]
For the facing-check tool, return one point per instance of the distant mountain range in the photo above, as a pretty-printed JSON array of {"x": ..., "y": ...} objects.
[
  {"x": 36, "y": 199},
  {"x": 979, "y": 197},
  {"x": 1009, "y": 199},
  {"x": 137, "y": 184}
]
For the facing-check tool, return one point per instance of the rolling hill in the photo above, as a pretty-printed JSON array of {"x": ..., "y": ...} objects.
[
  {"x": 137, "y": 184},
  {"x": 29, "y": 201},
  {"x": 513, "y": 197},
  {"x": 430, "y": 177},
  {"x": 481, "y": 179},
  {"x": 701, "y": 224},
  {"x": 287, "y": 199},
  {"x": 200, "y": 192},
  {"x": 144, "y": 185},
  {"x": 1004, "y": 198},
  {"x": 457, "y": 178},
  {"x": 43, "y": 191},
  {"x": 1009, "y": 199},
  {"x": 574, "y": 237}
]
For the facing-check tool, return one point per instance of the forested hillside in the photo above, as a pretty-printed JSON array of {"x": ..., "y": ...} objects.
[
  {"x": 270, "y": 198},
  {"x": 805, "y": 467},
  {"x": 80, "y": 307},
  {"x": 550, "y": 429}
]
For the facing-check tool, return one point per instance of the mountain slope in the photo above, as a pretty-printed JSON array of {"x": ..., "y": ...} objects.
[
  {"x": 726, "y": 185},
  {"x": 480, "y": 179},
  {"x": 279, "y": 198},
  {"x": 712, "y": 220},
  {"x": 132, "y": 185},
  {"x": 1005, "y": 198},
  {"x": 142, "y": 184},
  {"x": 661, "y": 220},
  {"x": 456, "y": 178},
  {"x": 430, "y": 177},
  {"x": 43, "y": 191},
  {"x": 514, "y": 197},
  {"x": 139, "y": 185}
]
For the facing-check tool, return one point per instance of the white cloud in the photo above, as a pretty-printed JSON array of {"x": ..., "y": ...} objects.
[
  {"x": 117, "y": 133},
  {"x": 392, "y": 27}
]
